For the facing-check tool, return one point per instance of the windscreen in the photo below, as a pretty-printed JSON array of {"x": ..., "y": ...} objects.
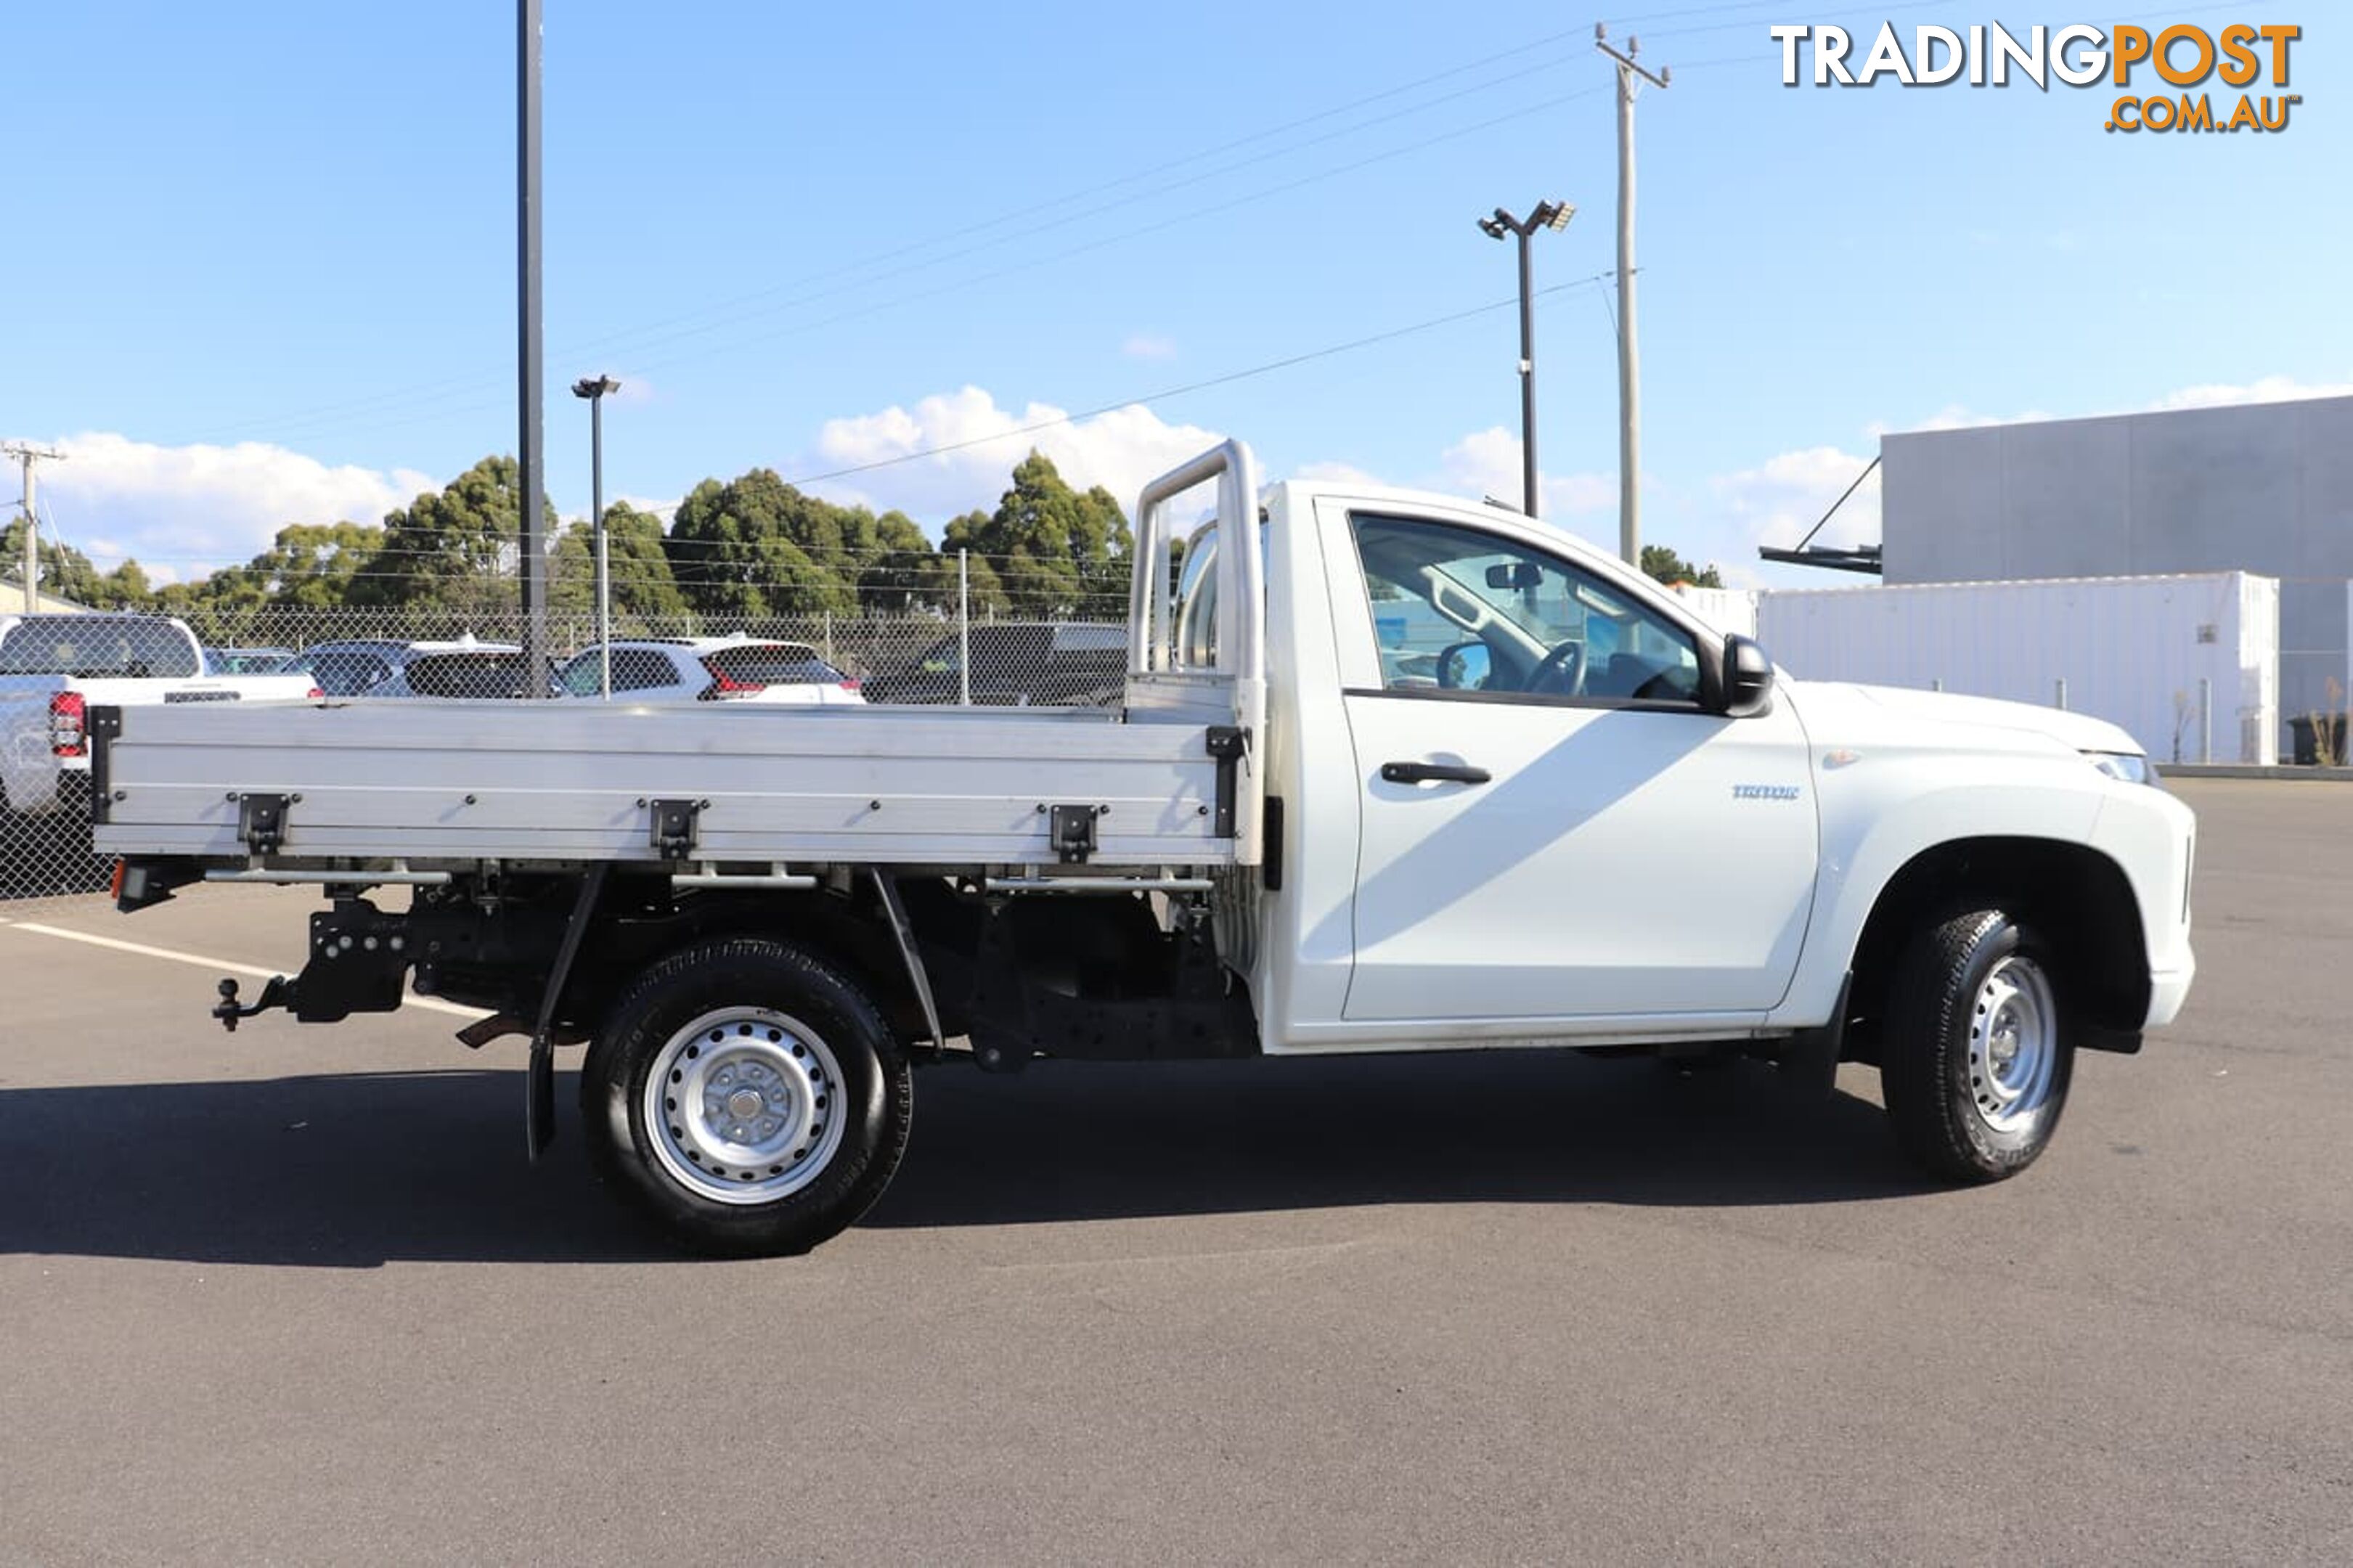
[
  {"x": 95, "y": 646},
  {"x": 773, "y": 664},
  {"x": 468, "y": 675}
]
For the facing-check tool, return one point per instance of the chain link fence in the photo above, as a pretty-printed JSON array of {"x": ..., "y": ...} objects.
[{"x": 386, "y": 655}]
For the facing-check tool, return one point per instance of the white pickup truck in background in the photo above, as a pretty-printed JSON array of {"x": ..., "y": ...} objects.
[
  {"x": 55, "y": 669},
  {"x": 1391, "y": 773}
]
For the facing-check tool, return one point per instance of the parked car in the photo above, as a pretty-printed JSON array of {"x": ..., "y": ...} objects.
[
  {"x": 710, "y": 669},
  {"x": 248, "y": 660},
  {"x": 374, "y": 667},
  {"x": 56, "y": 668},
  {"x": 482, "y": 673},
  {"x": 1015, "y": 664}
]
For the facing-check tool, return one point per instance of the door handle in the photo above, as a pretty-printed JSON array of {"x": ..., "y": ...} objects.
[{"x": 1433, "y": 773}]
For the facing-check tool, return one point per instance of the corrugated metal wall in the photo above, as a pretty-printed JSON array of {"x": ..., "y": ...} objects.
[
  {"x": 1725, "y": 609},
  {"x": 2132, "y": 650},
  {"x": 2262, "y": 488}
]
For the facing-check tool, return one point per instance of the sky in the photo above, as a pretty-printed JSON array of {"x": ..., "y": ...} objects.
[{"x": 264, "y": 264}]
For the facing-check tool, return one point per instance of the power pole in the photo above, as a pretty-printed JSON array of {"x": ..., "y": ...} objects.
[
  {"x": 1630, "y": 376},
  {"x": 26, "y": 456}
]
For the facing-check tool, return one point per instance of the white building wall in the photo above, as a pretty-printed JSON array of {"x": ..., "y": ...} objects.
[
  {"x": 1727, "y": 610},
  {"x": 2132, "y": 650},
  {"x": 2259, "y": 488}
]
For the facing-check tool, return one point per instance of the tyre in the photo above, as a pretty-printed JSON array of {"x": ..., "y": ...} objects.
[
  {"x": 746, "y": 1096},
  {"x": 1979, "y": 1050}
]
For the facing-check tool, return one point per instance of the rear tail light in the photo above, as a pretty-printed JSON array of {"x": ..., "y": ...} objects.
[
  {"x": 849, "y": 683},
  {"x": 725, "y": 685},
  {"x": 318, "y": 694},
  {"x": 66, "y": 715}
]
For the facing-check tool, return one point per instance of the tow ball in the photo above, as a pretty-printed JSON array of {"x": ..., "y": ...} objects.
[{"x": 277, "y": 993}]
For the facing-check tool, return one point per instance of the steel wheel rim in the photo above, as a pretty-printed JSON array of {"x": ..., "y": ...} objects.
[
  {"x": 743, "y": 1106},
  {"x": 2014, "y": 1044}
]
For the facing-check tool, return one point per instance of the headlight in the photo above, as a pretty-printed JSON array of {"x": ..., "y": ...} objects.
[{"x": 2130, "y": 766}]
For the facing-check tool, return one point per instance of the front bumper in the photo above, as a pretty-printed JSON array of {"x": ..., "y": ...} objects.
[{"x": 2167, "y": 990}]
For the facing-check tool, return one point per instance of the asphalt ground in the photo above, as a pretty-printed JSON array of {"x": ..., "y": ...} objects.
[{"x": 293, "y": 1295}]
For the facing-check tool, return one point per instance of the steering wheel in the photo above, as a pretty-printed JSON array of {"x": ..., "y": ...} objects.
[{"x": 1560, "y": 672}]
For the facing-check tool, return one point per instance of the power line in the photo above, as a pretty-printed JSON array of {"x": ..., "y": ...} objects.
[
  {"x": 1036, "y": 427},
  {"x": 1172, "y": 392},
  {"x": 705, "y": 321},
  {"x": 739, "y": 343},
  {"x": 326, "y": 415},
  {"x": 1141, "y": 230}
]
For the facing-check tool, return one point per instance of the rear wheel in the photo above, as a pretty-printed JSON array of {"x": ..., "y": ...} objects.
[
  {"x": 1980, "y": 1051},
  {"x": 748, "y": 1097}
]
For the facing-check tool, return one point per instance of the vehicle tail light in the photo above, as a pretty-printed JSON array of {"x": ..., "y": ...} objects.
[
  {"x": 318, "y": 694},
  {"x": 849, "y": 683},
  {"x": 725, "y": 685},
  {"x": 66, "y": 715}
]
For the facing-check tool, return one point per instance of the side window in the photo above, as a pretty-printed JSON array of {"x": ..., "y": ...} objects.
[
  {"x": 348, "y": 673},
  {"x": 1194, "y": 636},
  {"x": 641, "y": 669},
  {"x": 583, "y": 677},
  {"x": 1455, "y": 609}
]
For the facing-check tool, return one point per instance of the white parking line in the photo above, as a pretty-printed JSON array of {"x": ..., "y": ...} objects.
[{"x": 218, "y": 965}]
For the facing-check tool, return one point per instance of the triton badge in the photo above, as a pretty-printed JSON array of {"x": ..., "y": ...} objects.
[{"x": 1764, "y": 792}]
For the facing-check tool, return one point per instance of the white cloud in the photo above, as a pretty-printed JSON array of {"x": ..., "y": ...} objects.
[
  {"x": 186, "y": 510},
  {"x": 1487, "y": 463},
  {"x": 664, "y": 509},
  {"x": 1335, "y": 474},
  {"x": 2208, "y": 394},
  {"x": 1148, "y": 346},
  {"x": 1953, "y": 416},
  {"x": 2268, "y": 389},
  {"x": 1120, "y": 450},
  {"x": 1777, "y": 501}
]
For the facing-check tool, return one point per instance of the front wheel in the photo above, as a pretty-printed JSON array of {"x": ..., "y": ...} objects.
[
  {"x": 748, "y": 1097},
  {"x": 1978, "y": 1052}
]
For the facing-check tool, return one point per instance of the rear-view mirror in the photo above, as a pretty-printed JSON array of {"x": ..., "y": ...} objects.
[
  {"x": 1747, "y": 679},
  {"x": 1516, "y": 574},
  {"x": 1465, "y": 666}
]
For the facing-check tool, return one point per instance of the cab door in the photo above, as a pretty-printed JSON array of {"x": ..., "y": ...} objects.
[{"x": 1553, "y": 828}]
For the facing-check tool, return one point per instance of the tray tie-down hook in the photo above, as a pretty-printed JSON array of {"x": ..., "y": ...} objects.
[{"x": 277, "y": 993}]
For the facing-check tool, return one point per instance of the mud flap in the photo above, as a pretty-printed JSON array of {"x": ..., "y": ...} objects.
[{"x": 539, "y": 1097}]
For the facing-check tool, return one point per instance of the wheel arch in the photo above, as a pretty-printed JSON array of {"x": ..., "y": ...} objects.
[
  {"x": 848, "y": 931},
  {"x": 2077, "y": 899}
]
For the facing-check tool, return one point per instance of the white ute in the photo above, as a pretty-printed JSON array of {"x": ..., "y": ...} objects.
[
  {"x": 1392, "y": 773},
  {"x": 56, "y": 668}
]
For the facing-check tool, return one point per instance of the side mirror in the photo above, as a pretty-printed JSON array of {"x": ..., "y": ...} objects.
[
  {"x": 1747, "y": 679},
  {"x": 1465, "y": 666}
]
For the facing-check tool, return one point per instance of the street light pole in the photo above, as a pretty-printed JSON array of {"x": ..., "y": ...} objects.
[
  {"x": 531, "y": 475},
  {"x": 594, "y": 389},
  {"x": 1545, "y": 214}
]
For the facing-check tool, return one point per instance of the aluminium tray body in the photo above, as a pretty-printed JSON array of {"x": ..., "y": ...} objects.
[{"x": 576, "y": 781}]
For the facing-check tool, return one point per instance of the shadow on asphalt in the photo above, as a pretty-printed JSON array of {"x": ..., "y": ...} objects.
[
  {"x": 347, "y": 1172},
  {"x": 356, "y": 1171},
  {"x": 1075, "y": 1142}
]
